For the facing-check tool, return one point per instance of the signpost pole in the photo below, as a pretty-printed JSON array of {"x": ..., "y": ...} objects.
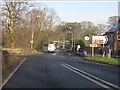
[
  {"x": 109, "y": 53},
  {"x": 92, "y": 51},
  {"x": 103, "y": 51}
]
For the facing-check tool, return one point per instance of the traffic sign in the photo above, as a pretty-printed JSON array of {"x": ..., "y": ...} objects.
[
  {"x": 93, "y": 45},
  {"x": 86, "y": 38},
  {"x": 99, "y": 39}
]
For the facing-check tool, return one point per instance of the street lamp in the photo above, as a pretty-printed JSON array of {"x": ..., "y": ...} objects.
[{"x": 72, "y": 37}]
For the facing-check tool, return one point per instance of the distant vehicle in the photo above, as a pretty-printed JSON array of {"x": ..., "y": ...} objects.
[{"x": 51, "y": 48}]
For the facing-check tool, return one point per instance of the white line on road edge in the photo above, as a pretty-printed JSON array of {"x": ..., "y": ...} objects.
[
  {"x": 12, "y": 73},
  {"x": 89, "y": 75},
  {"x": 100, "y": 63}
]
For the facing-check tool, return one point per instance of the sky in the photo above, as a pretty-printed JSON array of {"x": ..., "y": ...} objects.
[{"x": 77, "y": 11}]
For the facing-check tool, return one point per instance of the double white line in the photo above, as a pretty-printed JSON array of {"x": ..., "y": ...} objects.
[{"x": 90, "y": 77}]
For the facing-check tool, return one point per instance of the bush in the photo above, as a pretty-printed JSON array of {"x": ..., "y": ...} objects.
[
  {"x": 77, "y": 42},
  {"x": 81, "y": 43}
]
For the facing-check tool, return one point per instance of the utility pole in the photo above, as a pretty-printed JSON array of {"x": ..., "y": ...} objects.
[
  {"x": 32, "y": 41},
  {"x": 32, "y": 35}
]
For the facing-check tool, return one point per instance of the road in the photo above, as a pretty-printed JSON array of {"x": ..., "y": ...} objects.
[{"x": 63, "y": 69}]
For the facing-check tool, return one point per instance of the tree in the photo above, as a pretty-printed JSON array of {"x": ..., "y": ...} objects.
[
  {"x": 102, "y": 28},
  {"x": 42, "y": 22},
  {"x": 88, "y": 28},
  {"x": 113, "y": 20},
  {"x": 11, "y": 13}
]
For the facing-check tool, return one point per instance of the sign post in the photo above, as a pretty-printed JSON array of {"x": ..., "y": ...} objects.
[
  {"x": 93, "y": 46},
  {"x": 109, "y": 52},
  {"x": 96, "y": 41},
  {"x": 87, "y": 38},
  {"x": 92, "y": 51},
  {"x": 100, "y": 40},
  {"x": 103, "y": 51}
]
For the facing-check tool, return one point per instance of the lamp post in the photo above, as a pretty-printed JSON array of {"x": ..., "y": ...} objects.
[
  {"x": 72, "y": 38},
  {"x": 32, "y": 36}
]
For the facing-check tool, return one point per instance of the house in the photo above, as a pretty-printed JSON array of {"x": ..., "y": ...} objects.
[{"x": 113, "y": 35}]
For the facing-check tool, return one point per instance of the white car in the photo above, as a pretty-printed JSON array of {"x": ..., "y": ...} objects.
[{"x": 51, "y": 48}]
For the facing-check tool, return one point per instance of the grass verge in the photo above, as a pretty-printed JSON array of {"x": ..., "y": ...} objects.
[
  {"x": 21, "y": 51},
  {"x": 9, "y": 64},
  {"x": 104, "y": 60}
]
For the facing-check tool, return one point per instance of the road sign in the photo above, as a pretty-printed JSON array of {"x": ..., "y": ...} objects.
[
  {"x": 99, "y": 39},
  {"x": 86, "y": 38},
  {"x": 93, "y": 45},
  {"x": 98, "y": 42}
]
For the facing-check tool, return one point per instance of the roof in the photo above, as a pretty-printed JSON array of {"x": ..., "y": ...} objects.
[{"x": 113, "y": 28}]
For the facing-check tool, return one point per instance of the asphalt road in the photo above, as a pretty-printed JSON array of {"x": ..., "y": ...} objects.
[{"x": 63, "y": 69}]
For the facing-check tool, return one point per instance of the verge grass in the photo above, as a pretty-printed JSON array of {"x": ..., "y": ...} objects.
[
  {"x": 9, "y": 63},
  {"x": 105, "y": 60}
]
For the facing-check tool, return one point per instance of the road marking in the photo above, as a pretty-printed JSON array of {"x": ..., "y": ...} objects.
[
  {"x": 90, "y": 77},
  {"x": 56, "y": 53},
  {"x": 69, "y": 54},
  {"x": 12, "y": 73}
]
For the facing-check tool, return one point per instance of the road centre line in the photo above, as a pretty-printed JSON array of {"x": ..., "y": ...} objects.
[
  {"x": 56, "y": 53},
  {"x": 95, "y": 77},
  {"x": 69, "y": 54},
  {"x": 90, "y": 77},
  {"x": 86, "y": 77}
]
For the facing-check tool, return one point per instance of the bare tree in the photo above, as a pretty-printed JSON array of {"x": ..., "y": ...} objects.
[
  {"x": 42, "y": 22},
  {"x": 102, "y": 28},
  {"x": 11, "y": 13},
  {"x": 113, "y": 20}
]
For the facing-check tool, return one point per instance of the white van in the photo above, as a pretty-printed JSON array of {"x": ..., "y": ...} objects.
[{"x": 51, "y": 48}]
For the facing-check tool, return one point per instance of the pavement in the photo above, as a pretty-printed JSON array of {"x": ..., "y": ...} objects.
[{"x": 63, "y": 69}]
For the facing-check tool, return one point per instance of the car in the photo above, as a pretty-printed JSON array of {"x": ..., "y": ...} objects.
[{"x": 51, "y": 48}]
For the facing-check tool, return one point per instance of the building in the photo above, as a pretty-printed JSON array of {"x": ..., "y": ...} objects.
[{"x": 113, "y": 35}]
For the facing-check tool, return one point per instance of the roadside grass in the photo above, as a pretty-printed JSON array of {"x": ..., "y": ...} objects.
[
  {"x": 21, "y": 51},
  {"x": 105, "y": 60},
  {"x": 9, "y": 63}
]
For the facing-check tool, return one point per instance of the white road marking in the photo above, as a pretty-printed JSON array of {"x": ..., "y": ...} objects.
[
  {"x": 102, "y": 64},
  {"x": 56, "y": 53},
  {"x": 69, "y": 54},
  {"x": 87, "y": 76},
  {"x": 12, "y": 73}
]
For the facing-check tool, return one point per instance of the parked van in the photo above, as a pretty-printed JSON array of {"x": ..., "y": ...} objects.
[{"x": 51, "y": 48}]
